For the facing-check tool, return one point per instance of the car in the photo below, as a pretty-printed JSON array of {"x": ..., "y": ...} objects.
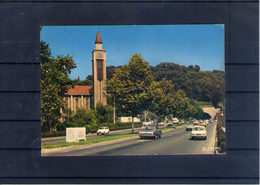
[
  {"x": 203, "y": 124},
  {"x": 102, "y": 130},
  {"x": 186, "y": 122},
  {"x": 145, "y": 124},
  {"x": 196, "y": 123},
  {"x": 199, "y": 132},
  {"x": 150, "y": 132},
  {"x": 182, "y": 122},
  {"x": 175, "y": 121},
  {"x": 161, "y": 124},
  {"x": 191, "y": 121},
  {"x": 169, "y": 123},
  {"x": 189, "y": 126}
]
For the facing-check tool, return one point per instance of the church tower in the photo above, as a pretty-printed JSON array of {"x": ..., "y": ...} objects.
[{"x": 99, "y": 72}]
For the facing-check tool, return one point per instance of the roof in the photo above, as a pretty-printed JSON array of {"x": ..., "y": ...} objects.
[
  {"x": 80, "y": 90},
  {"x": 98, "y": 38}
]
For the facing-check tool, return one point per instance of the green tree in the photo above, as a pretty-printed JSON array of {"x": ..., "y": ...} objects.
[
  {"x": 129, "y": 86},
  {"x": 104, "y": 113},
  {"x": 84, "y": 117},
  {"x": 197, "y": 84},
  {"x": 88, "y": 81},
  {"x": 45, "y": 52},
  {"x": 55, "y": 82},
  {"x": 161, "y": 94}
]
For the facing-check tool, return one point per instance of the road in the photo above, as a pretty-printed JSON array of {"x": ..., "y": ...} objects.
[
  {"x": 53, "y": 140},
  {"x": 173, "y": 142}
]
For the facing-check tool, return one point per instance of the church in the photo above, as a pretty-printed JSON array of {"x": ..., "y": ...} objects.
[{"x": 88, "y": 96}]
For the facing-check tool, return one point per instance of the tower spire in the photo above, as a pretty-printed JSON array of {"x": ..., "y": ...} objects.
[{"x": 98, "y": 38}]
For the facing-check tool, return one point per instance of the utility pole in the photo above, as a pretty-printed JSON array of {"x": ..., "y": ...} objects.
[{"x": 114, "y": 112}]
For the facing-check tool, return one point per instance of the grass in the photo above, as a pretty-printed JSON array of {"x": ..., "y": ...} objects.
[{"x": 88, "y": 141}]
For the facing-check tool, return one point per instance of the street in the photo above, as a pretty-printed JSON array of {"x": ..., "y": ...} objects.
[{"x": 173, "y": 142}]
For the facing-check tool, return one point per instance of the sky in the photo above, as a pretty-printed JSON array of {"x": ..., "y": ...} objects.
[{"x": 186, "y": 45}]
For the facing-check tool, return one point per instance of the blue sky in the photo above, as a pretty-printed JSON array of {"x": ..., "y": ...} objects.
[{"x": 186, "y": 45}]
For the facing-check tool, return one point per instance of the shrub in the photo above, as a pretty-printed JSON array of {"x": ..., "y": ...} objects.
[
  {"x": 104, "y": 114},
  {"x": 84, "y": 117}
]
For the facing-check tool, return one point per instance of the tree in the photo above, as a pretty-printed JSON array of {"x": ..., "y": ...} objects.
[
  {"x": 162, "y": 101},
  {"x": 129, "y": 86},
  {"x": 84, "y": 117},
  {"x": 55, "y": 82},
  {"x": 45, "y": 52},
  {"x": 104, "y": 113}
]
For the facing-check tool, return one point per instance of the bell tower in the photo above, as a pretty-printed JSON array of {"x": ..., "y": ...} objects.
[{"x": 99, "y": 72}]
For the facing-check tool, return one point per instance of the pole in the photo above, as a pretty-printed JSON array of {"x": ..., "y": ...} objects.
[{"x": 114, "y": 112}]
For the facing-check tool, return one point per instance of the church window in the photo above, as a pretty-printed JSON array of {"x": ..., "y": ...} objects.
[{"x": 100, "y": 69}]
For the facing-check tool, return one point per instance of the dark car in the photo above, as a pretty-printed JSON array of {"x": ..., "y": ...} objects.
[{"x": 150, "y": 132}]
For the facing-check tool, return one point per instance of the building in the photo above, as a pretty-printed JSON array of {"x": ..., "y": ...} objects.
[
  {"x": 88, "y": 96},
  {"x": 127, "y": 119}
]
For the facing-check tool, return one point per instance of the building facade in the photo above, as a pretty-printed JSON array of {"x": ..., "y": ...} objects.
[{"x": 89, "y": 96}]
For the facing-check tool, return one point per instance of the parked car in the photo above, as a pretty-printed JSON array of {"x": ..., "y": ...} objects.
[
  {"x": 161, "y": 124},
  {"x": 169, "y": 123},
  {"x": 182, "y": 121},
  {"x": 175, "y": 121},
  {"x": 150, "y": 132},
  {"x": 199, "y": 132},
  {"x": 189, "y": 126},
  {"x": 186, "y": 122},
  {"x": 102, "y": 130}
]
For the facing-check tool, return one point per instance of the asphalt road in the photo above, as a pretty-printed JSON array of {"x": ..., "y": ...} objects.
[
  {"x": 53, "y": 140},
  {"x": 173, "y": 142}
]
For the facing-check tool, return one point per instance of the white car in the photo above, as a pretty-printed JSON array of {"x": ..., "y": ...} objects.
[
  {"x": 199, "y": 132},
  {"x": 203, "y": 124},
  {"x": 170, "y": 123},
  {"x": 175, "y": 121},
  {"x": 161, "y": 124},
  {"x": 189, "y": 126},
  {"x": 103, "y": 130}
]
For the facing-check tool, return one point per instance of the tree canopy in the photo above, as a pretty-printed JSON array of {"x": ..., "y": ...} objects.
[
  {"x": 55, "y": 82},
  {"x": 130, "y": 85},
  {"x": 198, "y": 85}
]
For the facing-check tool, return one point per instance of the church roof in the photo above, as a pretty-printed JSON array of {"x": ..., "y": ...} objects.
[
  {"x": 98, "y": 38},
  {"x": 80, "y": 90}
]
